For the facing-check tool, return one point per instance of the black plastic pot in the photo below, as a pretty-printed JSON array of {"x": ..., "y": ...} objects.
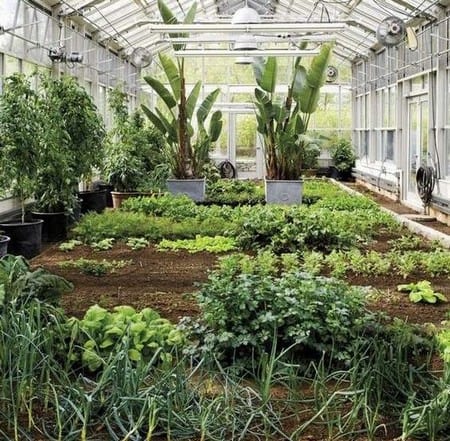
[
  {"x": 94, "y": 200},
  {"x": 4, "y": 245},
  {"x": 26, "y": 238},
  {"x": 54, "y": 228},
  {"x": 108, "y": 188}
]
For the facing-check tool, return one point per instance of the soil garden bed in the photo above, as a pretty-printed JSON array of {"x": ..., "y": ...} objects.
[
  {"x": 167, "y": 281},
  {"x": 278, "y": 350}
]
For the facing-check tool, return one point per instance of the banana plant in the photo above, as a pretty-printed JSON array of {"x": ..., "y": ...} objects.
[
  {"x": 186, "y": 153},
  {"x": 284, "y": 122}
]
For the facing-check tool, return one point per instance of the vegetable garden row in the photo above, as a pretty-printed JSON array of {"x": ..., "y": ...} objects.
[{"x": 310, "y": 323}]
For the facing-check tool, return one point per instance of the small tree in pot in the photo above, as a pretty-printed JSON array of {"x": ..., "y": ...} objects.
[
  {"x": 83, "y": 134},
  {"x": 133, "y": 150},
  {"x": 21, "y": 130}
]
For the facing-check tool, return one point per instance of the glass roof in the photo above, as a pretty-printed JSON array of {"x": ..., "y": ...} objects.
[{"x": 128, "y": 23}]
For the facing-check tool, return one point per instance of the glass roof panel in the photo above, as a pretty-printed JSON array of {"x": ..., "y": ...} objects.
[{"x": 128, "y": 22}]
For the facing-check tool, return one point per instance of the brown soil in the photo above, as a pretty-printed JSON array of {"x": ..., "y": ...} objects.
[{"x": 160, "y": 280}]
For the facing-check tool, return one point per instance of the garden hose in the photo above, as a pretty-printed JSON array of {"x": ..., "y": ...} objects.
[
  {"x": 227, "y": 169},
  {"x": 425, "y": 180}
]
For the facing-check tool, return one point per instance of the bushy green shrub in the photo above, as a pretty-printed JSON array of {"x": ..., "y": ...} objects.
[{"x": 245, "y": 304}]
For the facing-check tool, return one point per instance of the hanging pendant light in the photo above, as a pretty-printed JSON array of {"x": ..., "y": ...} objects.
[{"x": 246, "y": 41}]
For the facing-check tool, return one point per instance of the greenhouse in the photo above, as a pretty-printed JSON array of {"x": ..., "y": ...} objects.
[{"x": 224, "y": 220}]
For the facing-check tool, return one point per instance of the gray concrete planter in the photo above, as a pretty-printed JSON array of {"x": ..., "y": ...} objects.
[
  {"x": 284, "y": 192},
  {"x": 194, "y": 188}
]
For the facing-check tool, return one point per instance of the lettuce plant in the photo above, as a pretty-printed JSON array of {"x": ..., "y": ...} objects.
[{"x": 101, "y": 334}]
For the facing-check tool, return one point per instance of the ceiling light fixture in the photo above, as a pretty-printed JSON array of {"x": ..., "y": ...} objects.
[
  {"x": 246, "y": 53},
  {"x": 279, "y": 28},
  {"x": 245, "y": 41}
]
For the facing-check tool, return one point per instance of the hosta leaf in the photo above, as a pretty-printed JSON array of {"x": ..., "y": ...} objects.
[{"x": 415, "y": 296}]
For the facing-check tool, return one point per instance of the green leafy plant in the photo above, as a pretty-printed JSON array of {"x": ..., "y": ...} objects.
[
  {"x": 406, "y": 243},
  {"x": 216, "y": 244},
  {"x": 343, "y": 154},
  {"x": 283, "y": 125},
  {"x": 422, "y": 292},
  {"x": 73, "y": 140},
  {"x": 242, "y": 310},
  {"x": 19, "y": 283},
  {"x": 94, "y": 267},
  {"x": 144, "y": 333},
  {"x": 133, "y": 160},
  {"x": 174, "y": 206},
  {"x": 234, "y": 191},
  {"x": 70, "y": 245},
  {"x": 185, "y": 156},
  {"x": 137, "y": 243},
  {"x": 103, "y": 244}
]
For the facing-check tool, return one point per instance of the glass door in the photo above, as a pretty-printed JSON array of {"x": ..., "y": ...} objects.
[
  {"x": 245, "y": 148},
  {"x": 417, "y": 143}
]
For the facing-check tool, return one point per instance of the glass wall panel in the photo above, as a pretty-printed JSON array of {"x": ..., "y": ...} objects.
[{"x": 10, "y": 65}]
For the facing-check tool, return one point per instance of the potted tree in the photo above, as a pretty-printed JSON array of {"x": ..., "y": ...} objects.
[
  {"x": 187, "y": 154},
  {"x": 20, "y": 137},
  {"x": 86, "y": 132},
  {"x": 133, "y": 151},
  {"x": 54, "y": 193},
  {"x": 343, "y": 156},
  {"x": 283, "y": 124}
]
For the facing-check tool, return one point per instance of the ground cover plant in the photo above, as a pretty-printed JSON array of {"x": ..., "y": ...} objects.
[{"x": 274, "y": 349}]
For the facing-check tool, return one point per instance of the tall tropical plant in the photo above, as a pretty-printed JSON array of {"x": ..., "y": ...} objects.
[
  {"x": 283, "y": 123},
  {"x": 186, "y": 153}
]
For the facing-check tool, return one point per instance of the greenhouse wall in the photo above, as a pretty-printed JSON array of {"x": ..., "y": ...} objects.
[{"x": 400, "y": 120}]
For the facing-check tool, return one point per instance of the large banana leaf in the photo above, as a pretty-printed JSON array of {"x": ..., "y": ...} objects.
[
  {"x": 206, "y": 105},
  {"x": 298, "y": 81},
  {"x": 169, "y": 18},
  {"x": 192, "y": 99},
  {"x": 172, "y": 73},
  {"x": 315, "y": 79},
  {"x": 266, "y": 73},
  {"x": 215, "y": 126},
  {"x": 166, "y": 13},
  {"x": 154, "y": 119},
  {"x": 162, "y": 91}
]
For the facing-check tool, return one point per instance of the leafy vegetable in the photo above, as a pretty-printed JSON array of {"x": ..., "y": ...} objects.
[
  {"x": 143, "y": 334},
  {"x": 422, "y": 292}
]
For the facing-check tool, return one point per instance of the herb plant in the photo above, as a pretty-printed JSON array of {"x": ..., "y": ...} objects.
[
  {"x": 243, "y": 310},
  {"x": 103, "y": 244}
]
